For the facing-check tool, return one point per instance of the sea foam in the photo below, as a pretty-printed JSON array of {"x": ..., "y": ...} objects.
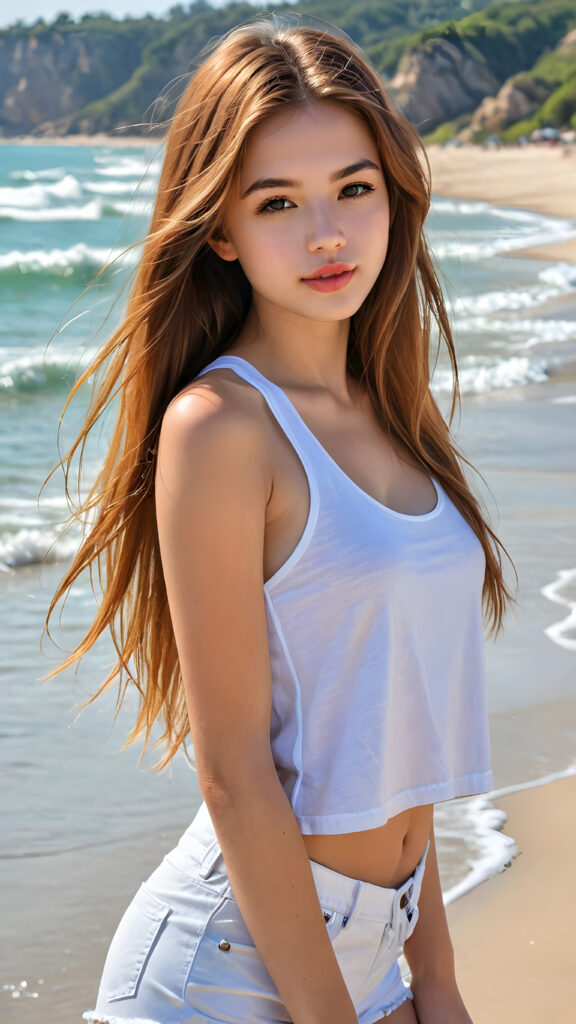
[
  {"x": 494, "y": 851},
  {"x": 90, "y": 211},
  {"x": 62, "y": 262},
  {"x": 35, "y": 197},
  {"x": 34, "y": 546},
  {"x": 481, "y": 377},
  {"x": 563, "y": 591},
  {"x": 36, "y": 370}
]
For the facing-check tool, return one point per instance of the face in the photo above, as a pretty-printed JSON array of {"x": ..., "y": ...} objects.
[{"x": 308, "y": 216}]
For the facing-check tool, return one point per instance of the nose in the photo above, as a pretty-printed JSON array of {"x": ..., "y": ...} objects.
[{"x": 325, "y": 232}]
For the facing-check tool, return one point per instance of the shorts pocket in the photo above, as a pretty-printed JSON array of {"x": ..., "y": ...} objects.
[
  {"x": 132, "y": 944},
  {"x": 228, "y": 979}
]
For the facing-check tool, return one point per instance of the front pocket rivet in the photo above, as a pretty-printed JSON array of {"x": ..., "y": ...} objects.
[{"x": 223, "y": 944}]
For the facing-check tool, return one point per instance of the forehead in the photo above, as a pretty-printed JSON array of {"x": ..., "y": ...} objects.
[{"x": 322, "y": 134}]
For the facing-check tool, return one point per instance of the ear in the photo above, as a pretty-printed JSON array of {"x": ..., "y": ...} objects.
[{"x": 222, "y": 247}]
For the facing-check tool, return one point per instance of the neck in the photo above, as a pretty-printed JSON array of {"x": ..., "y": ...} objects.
[{"x": 296, "y": 352}]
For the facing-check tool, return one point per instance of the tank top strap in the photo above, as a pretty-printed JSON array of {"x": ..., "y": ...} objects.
[{"x": 282, "y": 410}]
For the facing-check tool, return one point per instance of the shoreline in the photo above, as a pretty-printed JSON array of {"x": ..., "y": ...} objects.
[
  {"x": 533, "y": 178},
  {"x": 99, "y": 139},
  {"x": 513, "y": 938}
]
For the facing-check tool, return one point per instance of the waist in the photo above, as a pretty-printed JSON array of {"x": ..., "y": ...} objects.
[{"x": 384, "y": 856}]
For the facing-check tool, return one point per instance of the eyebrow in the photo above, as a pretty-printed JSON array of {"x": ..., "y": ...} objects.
[{"x": 344, "y": 172}]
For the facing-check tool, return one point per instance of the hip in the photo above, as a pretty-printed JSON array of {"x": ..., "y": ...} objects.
[{"x": 182, "y": 951}]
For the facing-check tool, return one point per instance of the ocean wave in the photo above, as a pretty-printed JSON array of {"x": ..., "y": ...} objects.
[
  {"x": 563, "y": 591},
  {"x": 482, "y": 378},
  {"x": 562, "y": 275},
  {"x": 488, "y": 303},
  {"x": 520, "y": 334},
  {"x": 523, "y": 216},
  {"x": 17, "y": 513},
  {"x": 134, "y": 208},
  {"x": 533, "y": 230},
  {"x": 487, "y": 247},
  {"x": 493, "y": 851},
  {"x": 37, "y": 197},
  {"x": 90, "y": 211},
  {"x": 560, "y": 279},
  {"x": 35, "y": 371},
  {"x": 119, "y": 188},
  {"x": 125, "y": 167},
  {"x": 31, "y": 547},
  {"x": 47, "y": 174},
  {"x": 62, "y": 262},
  {"x": 459, "y": 206}
]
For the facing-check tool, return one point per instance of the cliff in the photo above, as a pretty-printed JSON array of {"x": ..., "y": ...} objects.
[
  {"x": 505, "y": 67},
  {"x": 49, "y": 73},
  {"x": 101, "y": 74},
  {"x": 440, "y": 81}
]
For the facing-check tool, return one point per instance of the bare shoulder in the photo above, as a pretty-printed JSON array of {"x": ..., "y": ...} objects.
[{"x": 220, "y": 419}]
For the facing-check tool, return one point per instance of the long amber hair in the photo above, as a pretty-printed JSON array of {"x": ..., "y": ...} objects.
[{"x": 185, "y": 307}]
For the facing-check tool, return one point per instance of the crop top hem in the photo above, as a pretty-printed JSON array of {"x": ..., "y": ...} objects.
[{"x": 360, "y": 821}]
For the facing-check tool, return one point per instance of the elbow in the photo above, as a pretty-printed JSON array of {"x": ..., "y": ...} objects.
[{"x": 237, "y": 782}]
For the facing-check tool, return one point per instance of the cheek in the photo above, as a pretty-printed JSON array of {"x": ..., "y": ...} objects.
[
  {"x": 375, "y": 224},
  {"x": 264, "y": 251}
]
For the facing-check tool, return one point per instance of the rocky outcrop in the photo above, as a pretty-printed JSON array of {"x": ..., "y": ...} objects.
[
  {"x": 568, "y": 42},
  {"x": 48, "y": 74},
  {"x": 519, "y": 98},
  {"x": 440, "y": 82}
]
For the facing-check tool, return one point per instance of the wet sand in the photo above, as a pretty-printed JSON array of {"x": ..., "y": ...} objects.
[{"x": 513, "y": 935}]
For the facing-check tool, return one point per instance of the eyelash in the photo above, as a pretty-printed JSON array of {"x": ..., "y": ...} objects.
[{"x": 263, "y": 208}]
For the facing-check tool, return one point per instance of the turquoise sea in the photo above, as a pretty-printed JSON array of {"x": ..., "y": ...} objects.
[{"x": 82, "y": 825}]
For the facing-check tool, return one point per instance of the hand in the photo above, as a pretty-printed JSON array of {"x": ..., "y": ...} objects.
[{"x": 437, "y": 1003}]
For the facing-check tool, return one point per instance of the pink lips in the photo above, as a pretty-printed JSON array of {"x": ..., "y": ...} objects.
[{"x": 330, "y": 278}]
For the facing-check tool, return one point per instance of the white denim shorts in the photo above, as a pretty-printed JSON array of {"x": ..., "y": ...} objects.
[{"x": 182, "y": 953}]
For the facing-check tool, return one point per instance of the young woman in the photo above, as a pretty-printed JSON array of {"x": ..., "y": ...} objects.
[{"x": 295, "y": 570}]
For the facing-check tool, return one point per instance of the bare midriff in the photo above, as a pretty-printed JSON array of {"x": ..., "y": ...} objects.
[{"x": 385, "y": 856}]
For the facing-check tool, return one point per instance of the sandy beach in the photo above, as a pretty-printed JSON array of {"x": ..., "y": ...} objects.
[
  {"x": 513, "y": 935},
  {"x": 99, "y": 139},
  {"x": 539, "y": 178}
]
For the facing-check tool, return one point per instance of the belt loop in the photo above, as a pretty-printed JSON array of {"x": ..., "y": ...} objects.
[{"x": 209, "y": 859}]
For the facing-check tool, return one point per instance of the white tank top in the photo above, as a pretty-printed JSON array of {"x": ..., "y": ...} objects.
[{"x": 376, "y": 647}]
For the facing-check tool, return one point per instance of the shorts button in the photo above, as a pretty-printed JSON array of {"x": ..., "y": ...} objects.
[{"x": 224, "y": 945}]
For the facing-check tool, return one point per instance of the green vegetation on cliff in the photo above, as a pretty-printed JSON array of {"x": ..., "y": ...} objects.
[{"x": 98, "y": 74}]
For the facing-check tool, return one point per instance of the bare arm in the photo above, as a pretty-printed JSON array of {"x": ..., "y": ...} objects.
[
  {"x": 430, "y": 954},
  {"x": 212, "y": 486}
]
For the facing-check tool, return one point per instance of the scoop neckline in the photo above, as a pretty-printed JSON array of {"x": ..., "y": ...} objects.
[{"x": 374, "y": 501}]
